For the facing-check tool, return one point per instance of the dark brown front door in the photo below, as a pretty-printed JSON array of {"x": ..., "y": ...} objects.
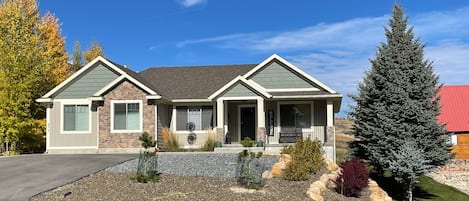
[{"x": 248, "y": 122}]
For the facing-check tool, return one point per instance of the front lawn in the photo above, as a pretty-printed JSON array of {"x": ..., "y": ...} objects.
[{"x": 427, "y": 189}]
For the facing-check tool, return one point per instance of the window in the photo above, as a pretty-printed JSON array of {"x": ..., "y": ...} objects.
[
  {"x": 126, "y": 116},
  {"x": 297, "y": 115},
  {"x": 76, "y": 118},
  {"x": 200, "y": 116}
]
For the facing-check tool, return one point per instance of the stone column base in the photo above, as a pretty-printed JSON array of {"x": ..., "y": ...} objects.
[
  {"x": 220, "y": 135},
  {"x": 330, "y": 132},
  {"x": 260, "y": 135}
]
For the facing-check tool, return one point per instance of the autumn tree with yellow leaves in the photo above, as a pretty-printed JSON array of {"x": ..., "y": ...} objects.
[{"x": 33, "y": 61}]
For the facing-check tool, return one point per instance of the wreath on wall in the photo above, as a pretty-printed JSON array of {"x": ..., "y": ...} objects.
[{"x": 191, "y": 137}]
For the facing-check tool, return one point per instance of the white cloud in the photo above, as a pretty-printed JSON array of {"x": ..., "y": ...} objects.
[
  {"x": 338, "y": 53},
  {"x": 190, "y": 3}
]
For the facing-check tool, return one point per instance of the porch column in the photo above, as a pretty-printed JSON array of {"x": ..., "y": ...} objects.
[
  {"x": 329, "y": 145},
  {"x": 330, "y": 113},
  {"x": 220, "y": 120},
  {"x": 260, "y": 120}
]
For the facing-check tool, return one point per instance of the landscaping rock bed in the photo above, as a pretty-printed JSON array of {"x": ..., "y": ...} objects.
[{"x": 222, "y": 165}]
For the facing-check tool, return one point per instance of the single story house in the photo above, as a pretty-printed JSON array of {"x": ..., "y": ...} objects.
[
  {"x": 105, "y": 106},
  {"x": 454, "y": 101}
]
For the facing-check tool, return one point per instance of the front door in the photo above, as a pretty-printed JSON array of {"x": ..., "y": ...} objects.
[{"x": 248, "y": 122}]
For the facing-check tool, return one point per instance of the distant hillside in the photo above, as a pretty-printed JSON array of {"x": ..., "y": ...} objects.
[{"x": 343, "y": 128}]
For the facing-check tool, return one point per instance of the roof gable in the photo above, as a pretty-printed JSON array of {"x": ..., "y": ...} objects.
[
  {"x": 279, "y": 66},
  {"x": 119, "y": 71},
  {"x": 454, "y": 102},
  {"x": 87, "y": 83},
  {"x": 240, "y": 87}
]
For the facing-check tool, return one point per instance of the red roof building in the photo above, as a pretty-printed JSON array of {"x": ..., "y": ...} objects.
[{"x": 455, "y": 114}]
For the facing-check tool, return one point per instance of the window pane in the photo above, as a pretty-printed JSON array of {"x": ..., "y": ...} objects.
[
  {"x": 181, "y": 118},
  {"x": 287, "y": 116},
  {"x": 82, "y": 115},
  {"x": 194, "y": 116},
  {"x": 69, "y": 117},
  {"x": 133, "y": 116},
  {"x": 207, "y": 117},
  {"x": 119, "y": 116}
]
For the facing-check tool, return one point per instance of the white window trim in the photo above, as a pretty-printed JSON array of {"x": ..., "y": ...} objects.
[
  {"x": 140, "y": 102},
  {"x": 64, "y": 102},
  {"x": 187, "y": 110}
]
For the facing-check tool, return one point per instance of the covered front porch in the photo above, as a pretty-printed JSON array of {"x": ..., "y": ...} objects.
[{"x": 274, "y": 121}]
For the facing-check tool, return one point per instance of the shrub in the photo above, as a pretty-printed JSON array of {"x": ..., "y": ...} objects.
[
  {"x": 353, "y": 178},
  {"x": 170, "y": 141},
  {"x": 287, "y": 149},
  {"x": 306, "y": 160},
  {"x": 210, "y": 143},
  {"x": 147, "y": 169},
  {"x": 247, "y": 142},
  {"x": 249, "y": 170},
  {"x": 147, "y": 140}
]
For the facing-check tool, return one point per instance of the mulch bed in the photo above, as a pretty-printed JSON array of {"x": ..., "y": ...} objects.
[{"x": 117, "y": 186}]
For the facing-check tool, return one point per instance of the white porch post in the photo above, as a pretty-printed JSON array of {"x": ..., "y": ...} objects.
[
  {"x": 330, "y": 113},
  {"x": 173, "y": 119},
  {"x": 49, "y": 106},
  {"x": 260, "y": 113},
  {"x": 260, "y": 130},
  {"x": 220, "y": 114}
]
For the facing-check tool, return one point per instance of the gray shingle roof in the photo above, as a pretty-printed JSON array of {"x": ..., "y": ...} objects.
[{"x": 191, "y": 82}]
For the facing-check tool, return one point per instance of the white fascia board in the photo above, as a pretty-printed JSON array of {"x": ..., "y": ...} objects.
[
  {"x": 153, "y": 97},
  {"x": 44, "y": 100},
  {"x": 292, "y": 67},
  {"x": 292, "y": 90},
  {"x": 251, "y": 84},
  {"x": 108, "y": 86},
  {"x": 190, "y": 100},
  {"x": 310, "y": 96},
  {"x": 96, "y": 98}
]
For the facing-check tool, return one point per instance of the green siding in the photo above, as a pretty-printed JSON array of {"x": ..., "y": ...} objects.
[
  {"x": 239, "y": 90},
  {"x": 88, "y": 83},
  {"x": 320, "y": 113},
  {"x": 275, "y": 76}
]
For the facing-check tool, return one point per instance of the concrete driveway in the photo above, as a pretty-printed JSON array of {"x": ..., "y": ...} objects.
[{"x": 24, "y": 176}]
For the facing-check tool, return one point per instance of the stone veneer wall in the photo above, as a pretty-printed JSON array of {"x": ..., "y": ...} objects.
[
  {"x": 260, "y": 134},
  {"x": 124, "y": 91},
  {"x": 330, "y": 132}
]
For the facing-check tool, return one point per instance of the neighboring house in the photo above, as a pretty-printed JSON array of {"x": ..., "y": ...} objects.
[
  {"x": 104, "y": 106},
  {"x": 454, "y": 101}
]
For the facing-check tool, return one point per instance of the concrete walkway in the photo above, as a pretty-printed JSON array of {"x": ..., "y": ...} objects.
[{"x": 27, "y": 175}]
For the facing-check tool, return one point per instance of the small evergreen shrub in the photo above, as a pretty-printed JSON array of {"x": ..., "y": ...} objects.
[
  {"x": 353, "y": 178},
  {"x": 248, "y": 142},
  {"x": 306, "y": 160},
  {"x": 170, "y": 141},
  {"x": 147, "y": 168},
  {"x": 249, "y": 170},
  {"x": 211, "y": 139},
  {"x": 147, "y": 140}
]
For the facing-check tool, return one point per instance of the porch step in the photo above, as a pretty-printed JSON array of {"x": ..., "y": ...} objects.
[{"x": 236, "y": 149}]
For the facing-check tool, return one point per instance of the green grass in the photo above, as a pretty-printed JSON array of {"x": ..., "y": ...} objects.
[{"x": 427, "y": 189}]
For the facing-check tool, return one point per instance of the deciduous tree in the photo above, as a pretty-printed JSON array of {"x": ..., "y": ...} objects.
[{"x": 94, "y": 51}]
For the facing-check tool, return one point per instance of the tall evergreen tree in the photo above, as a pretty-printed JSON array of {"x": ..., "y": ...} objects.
[{"x": 397, "y": 101}]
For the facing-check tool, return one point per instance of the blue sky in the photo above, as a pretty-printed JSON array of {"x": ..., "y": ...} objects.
[{"x": 331, "y": 40}]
